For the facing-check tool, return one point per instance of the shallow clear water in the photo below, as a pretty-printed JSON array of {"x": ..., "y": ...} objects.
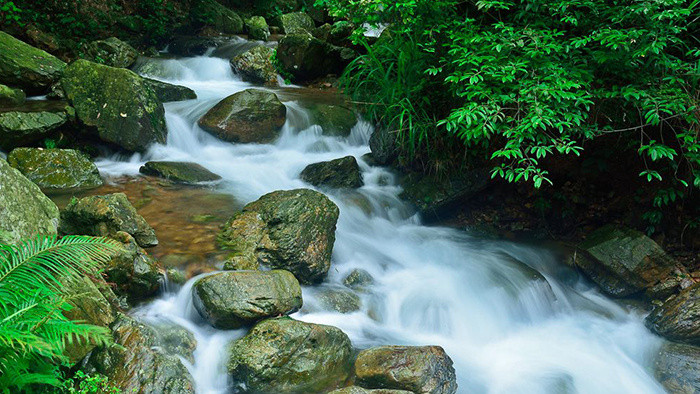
[{"x": 507, "y": 328}]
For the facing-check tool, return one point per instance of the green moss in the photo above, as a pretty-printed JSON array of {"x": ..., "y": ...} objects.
[
  {"x": 56, "y": 169},
  {"x": 24, "y": 128},
  {"x": 26, "y": 67},
  {"x": 10, "y": 97},
  {"x": 257, "y": 28}
]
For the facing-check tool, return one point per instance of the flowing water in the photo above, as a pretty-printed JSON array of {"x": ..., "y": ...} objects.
[{"x": 513, "y": 318}]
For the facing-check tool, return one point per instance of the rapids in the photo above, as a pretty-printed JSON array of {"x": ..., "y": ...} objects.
[{"x": 512, "y": 317}]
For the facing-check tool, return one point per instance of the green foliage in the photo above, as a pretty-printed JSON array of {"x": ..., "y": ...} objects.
[
  {"x": 33, "y": 330},
  {"x": 9, "y": 13},
  {"x": 82, "y": 383}
]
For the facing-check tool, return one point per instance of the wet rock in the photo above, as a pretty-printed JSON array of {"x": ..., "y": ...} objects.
[
  {"x": 382, "y": 143},
  {"x": 358, "y": 279},
  {"x": 185, "y": 46},
  {"x": 111, "y": 52},
  {"x": 678, "y": 319},
  {"x": 135, "y": 274},
  {"x": 257, "y": 28},
  {"x": 435, "y": 197},
  {"x": 56, "y": 169},
  {"x": 179, "y": 172},
  {"x": 255, "y": 65},
  {"x": 291, "y": 229},
  {"x": 176, "y": 276},
  {"x": 10, "y": 97},
  {"x": 678, "y": 368},
  {"x": 136, "y": 362},
  {"x": 622, "y": 261},
  {"x": 335, "y": 120},
  {"x": 283, "y": 355},
  {"x": 296, "y": 22},
  {"x": 338, "y": 299},
  {"x": 233, "y": 299},
  {"x": 26, "y": 67},
  {"x": 420, "y": 369},
  {"x": 115, "y": 103},
  {"x": 105, "y": 216},
  {"x": 218, "y": 16},
  {"x": 177, "y": 341},
  {"x": 250, "y": 116},
  {"x": 360, "y": 390},
  {"x": 167, "y": 92},
  {"x": 19, "y": 128},
  {"x": 237, "y": 263},
  {"x": 338, "y": 173},
  {"x": 24, "y": 210},
  {"x": 305, "y": 57},
  {"x": 340, "y": 33}
]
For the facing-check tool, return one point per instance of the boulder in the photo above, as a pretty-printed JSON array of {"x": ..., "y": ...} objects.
[
  {"x": 19, "y": 128},
  {"x": 419, "y": 369},
  {"x": 338, "y": 173},
  {"x": 358, "y": 279},
  {"x": 678, "y": 319},
  {"x": 26, "y": 67},
  {"x": 218, "y": 16},
  {"x": 105, "y": 216},
  {"x": 305, "y": 57},
  {"x": 25, "y": 211},
  {"x": 340, "y": 33},
  {"x": 677, "y": 368},
  {"x": 291, "y": 229},
  {"x": 56, "y": 169},
  {"x": 185, "y": 46},
  {"x": 622, "y": 261},
  {"x": 360, "y": 390},
  {"x": 116, "y": 103},
  {"x": 179, "y": 172},
  {"x": 10, "y": 97},
  {"x": 110, "y": 52},
  {"x": 176, "y": 340},
  {"x": 137, "y": 363},
  {"x": 338, "y": 299},
  {"x": 283, "y": 355},
  {"x": 257, "y": 28},
  {"x": 384, "y": 147},
  {"x": 296, "y": 22},
  {"x": 336, "y": 121},
  {"x": 134, "y": 273},
  {"x": 249, "y": 116},
  {"x": 167, "y": 92},
  {"x": 233, "y": 299},
  {"x": 255, "y": 66}
]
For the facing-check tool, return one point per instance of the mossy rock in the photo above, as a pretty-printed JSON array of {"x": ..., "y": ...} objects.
[
  {"x": 25, "y": 211},
  {"x": 56, "y": 169},
  {"x": 134, "y": 273},
  {"x": 10, "y": 97},
  {"x": 339, "y": 173},
  {"x": 179, "y": 172},
  {"x": 384, "y": 147},
  {"x": 250, "y": 116},
  {"x": 296, "y": 22},
  {"x": 26, "y": 67},
  {"x": 167, "y": 92},
  {"x": 110, "y": 52},
  {"x": 218, "y": 16},
  {"x": 283, "y": 355},
  {"x": 257, "y": 28},
  {"x": 333, "y": 119},
  {"x": 18, "y": 128},
  {"x": 678, "y": 319},
  {"x": 360, "y": 390},
  {"x": 358, "y": 279},
  {"x": 305, "y": 57},
  {"x": 116, "y": 103},
  {"x": 233, "y": 299},
  {"x": 255, "y": 65},
  {"x": 105, "y": 216},
  {"x": 177, "y": 340},
  {"x": 338, "y": 299},
  {"x": 292, "y": 230}
]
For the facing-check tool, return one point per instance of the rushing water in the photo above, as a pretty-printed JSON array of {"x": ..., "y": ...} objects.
[{"x": 508, "y": 328}]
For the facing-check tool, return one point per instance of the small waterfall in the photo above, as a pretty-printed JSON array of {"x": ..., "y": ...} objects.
[{"x": 509, "y": 315}]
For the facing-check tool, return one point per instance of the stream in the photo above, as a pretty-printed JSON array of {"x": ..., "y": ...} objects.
[{"x": 513, "y": 317}]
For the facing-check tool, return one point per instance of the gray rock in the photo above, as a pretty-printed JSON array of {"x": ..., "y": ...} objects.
[
  {"x": 678, "y": 368},
  {"x": 167, "y": 92},
  {"x": 338, "y": 173},
  {"x": 179, "y": 172},
  {"x": 134, "y": 273},
  {"x": 678, "y": 319},
  {"x": 358, "y": 279},
  {"x": 339, "y": 300}
]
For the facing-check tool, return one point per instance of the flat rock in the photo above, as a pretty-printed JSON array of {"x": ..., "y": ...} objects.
[
  {"x": 179, "y": 172},
  {"x": 339, "y": 173},
  {"x": 56, "y": 169},
  {"x": 19, "y": 128},
  {"x": 25, "y": 67}
]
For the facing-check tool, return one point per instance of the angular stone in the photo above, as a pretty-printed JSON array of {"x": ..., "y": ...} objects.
[
  {"x": 179, "y": 172},
  {"x": 167, "y": 92},
  {"x": 56, "y": 169},
  {"x": 358, "y": 279},
  {"x": 338, "y": 173},
  {"x": 134, "y": 273},
  {"x": 23, "y": 128},
  {"x": 296, "y": 22},
  {"x": 678, "y": 319},
  {"x": 339, "y": 300},
  {"x": 26, "y": 67},
  {"x": 218, "y": 16},
  {"x": 335, "y": 120},
  {"x": 257, "y": 28},
  {"x": 111, "y": 52},
  {"x": 677, "y": 367},
  {"x": 10, "y": 97},
  {"x": 255, "y": 65}
]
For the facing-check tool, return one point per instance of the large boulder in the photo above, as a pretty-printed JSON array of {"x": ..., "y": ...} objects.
[
  {"x": 291, "y": 229},
  {"x": 179, "y": 172},
  {"x": 105, "y": 216},
  {"x": 167, "y": 92},
  {"x": 56, "y": 169},
  {"x": 296, "y": 22},
  {"x": 419, "y": 369},
  {"x": 255, "y": 66},
  {"x": 26, "y": 67},
  {"x": 10, "y": 97},
  {"x": 677, "y": 368},
  {"x": 252, "y": 115},
  {"x": 18, "y": 128},
  {"x": 137, "y": 363},
  {"x": 25, "y": 211},
  {"x": 257, "y": 28},
  {"x": 622, "y": 261},
  {"x": 116, "y": 103},
  {"x": 110, "y": 52},
  {"x": 678, "y": 319},
  {"x": 283, "y": 355},
  {"x": 133, "y": 272},
  {"x": 335, "y": 120},
  {"x": 338, "y": 173},
  {"x": 305, "y": 57},
  {"x": 384, "y": 147},
  {"x": 233, "y": 299},
  {"x": 218, "y": 16}
]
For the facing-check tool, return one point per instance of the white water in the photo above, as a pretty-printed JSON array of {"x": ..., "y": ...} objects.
[{"x": 506, "y": 331}]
